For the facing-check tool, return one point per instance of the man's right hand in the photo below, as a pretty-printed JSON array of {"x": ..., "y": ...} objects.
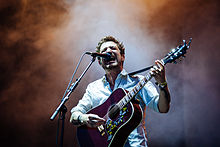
[{"x": 91, "y": 120}]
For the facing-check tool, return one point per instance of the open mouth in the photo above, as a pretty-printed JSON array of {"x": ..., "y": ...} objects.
[{"x": 109, "y": 61}]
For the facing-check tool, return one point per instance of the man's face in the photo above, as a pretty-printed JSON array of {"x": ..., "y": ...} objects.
[{"x": 117, "y": 59}]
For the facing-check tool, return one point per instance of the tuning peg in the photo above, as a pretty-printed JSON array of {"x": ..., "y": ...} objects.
[
  {"x": 190, "y": 40},
  {"x": 184, "y": 42},
  {"x": 173, "y": 50}
]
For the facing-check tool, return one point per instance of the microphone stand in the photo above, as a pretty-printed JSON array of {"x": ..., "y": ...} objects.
[{"x": 61, "y": 109}]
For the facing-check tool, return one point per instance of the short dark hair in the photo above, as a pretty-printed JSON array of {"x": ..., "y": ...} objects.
[{"x": 111, "y": 38}]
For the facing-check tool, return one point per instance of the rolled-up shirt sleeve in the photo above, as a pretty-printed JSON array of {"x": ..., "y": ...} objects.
[
  {"x": 150, "y": 96},
  {"x": 85, "y": 104}
]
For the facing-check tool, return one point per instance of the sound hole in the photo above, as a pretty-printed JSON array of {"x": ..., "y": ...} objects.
[{"x": 113, "y": 112}]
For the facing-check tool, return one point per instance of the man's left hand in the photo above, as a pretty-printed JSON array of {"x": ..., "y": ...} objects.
[{"x": 158, "y": 72}]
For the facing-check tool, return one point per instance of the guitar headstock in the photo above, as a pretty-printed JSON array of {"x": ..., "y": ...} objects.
[{"x": 176, "y": 53}]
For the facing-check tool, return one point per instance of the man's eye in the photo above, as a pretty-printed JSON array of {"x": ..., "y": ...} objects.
[
  {"x": 112, "y": 47},
  {"x": 103, "y": 50}
]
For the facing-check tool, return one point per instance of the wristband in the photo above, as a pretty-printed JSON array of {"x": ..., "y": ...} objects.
[
  {"x": 79, "y": 120},
  {"x": 162, "y": 85}
]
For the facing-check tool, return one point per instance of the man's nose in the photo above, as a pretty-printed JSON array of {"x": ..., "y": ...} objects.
[{"x": 108, "y": 49}]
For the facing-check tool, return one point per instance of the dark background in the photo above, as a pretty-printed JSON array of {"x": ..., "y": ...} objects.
[{"x": 41, "y": 42}]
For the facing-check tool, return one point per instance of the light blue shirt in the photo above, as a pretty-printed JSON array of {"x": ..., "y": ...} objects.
[{"x": 98, "y": 92}]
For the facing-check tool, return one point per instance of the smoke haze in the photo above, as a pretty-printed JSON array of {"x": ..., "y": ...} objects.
[{"x": 42, "y": 41}]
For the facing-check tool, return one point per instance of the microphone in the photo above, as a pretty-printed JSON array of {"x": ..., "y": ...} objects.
[{"x": 106, "y": 56}]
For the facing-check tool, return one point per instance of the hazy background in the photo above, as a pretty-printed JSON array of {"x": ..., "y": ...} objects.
[{"x": 41, "y": 42}]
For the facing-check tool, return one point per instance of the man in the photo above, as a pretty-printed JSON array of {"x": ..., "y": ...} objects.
[{"x": 116, "y": 77}]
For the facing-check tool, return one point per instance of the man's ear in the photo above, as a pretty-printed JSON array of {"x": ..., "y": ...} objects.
[
  {"x": 100, "y": 62},
  {"x": 123, "y": 57}
]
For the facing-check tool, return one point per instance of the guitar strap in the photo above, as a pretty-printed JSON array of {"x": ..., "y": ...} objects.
[{"x": 141, "y": 70}]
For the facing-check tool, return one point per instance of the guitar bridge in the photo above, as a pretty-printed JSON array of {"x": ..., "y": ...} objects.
[{"x": 101, "y": 130}]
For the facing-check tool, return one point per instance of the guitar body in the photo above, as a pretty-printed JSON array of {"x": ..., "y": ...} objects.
[{"x": 117, "y": 127}]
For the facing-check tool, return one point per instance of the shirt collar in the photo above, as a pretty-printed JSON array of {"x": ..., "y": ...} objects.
[{"x": 123, "y": 73}]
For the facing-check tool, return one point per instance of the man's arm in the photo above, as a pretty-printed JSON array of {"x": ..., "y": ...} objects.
[
  {"x": 75, "y": 118},
  {"x": 164, "y": 99},
  {"x": 158, "y": 72}
]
